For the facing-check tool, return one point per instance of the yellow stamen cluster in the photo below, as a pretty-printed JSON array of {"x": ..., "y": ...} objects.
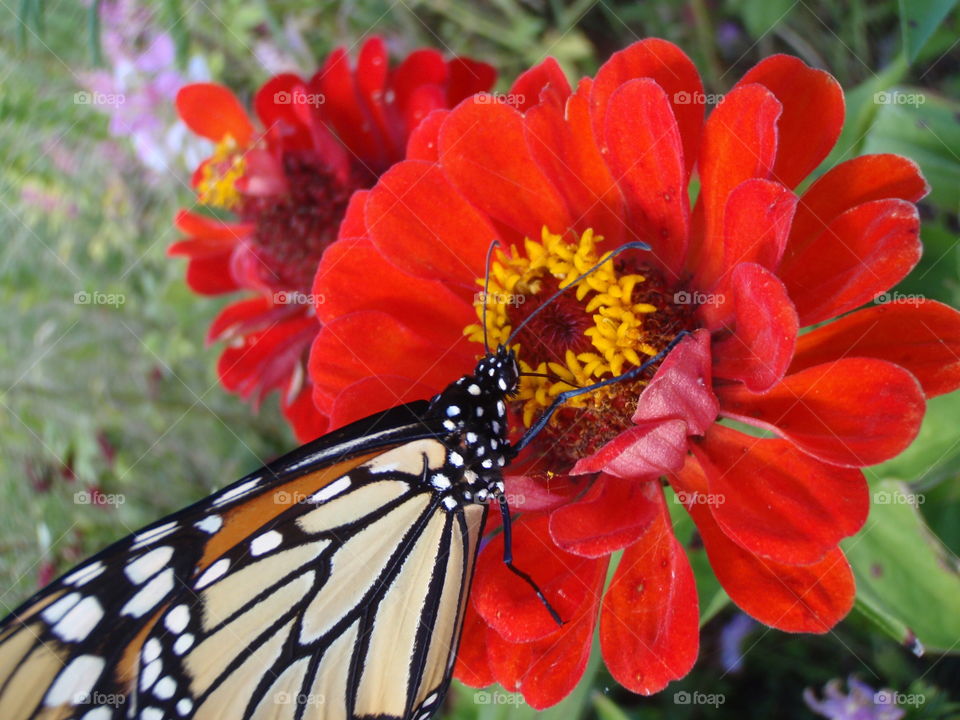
[
  {"x": 218, "y": 181},
  {"x": 617, "y": 333}
]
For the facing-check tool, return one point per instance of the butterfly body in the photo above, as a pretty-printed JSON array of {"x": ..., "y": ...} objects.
[{"x": 331, "y": 583}]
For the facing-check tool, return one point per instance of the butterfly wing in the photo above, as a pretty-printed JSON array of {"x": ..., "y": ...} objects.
[{"x": 330, "y": 584}]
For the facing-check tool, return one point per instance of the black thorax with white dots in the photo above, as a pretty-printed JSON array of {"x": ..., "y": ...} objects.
[{"x": 474, "y": 413}]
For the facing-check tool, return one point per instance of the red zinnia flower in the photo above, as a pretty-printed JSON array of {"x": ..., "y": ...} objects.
[
  {"x": 288, "y": 185},
  {"x": 743, "y": 270}
]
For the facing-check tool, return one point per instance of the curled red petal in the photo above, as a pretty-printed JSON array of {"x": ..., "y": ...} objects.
[
  {"x": 922, "y": 336},
  {"x": 762, "y": 326},
  {"x": 672, "y": 70},
  {"x": 426, "y": 227},
  {"x": 682, "y": 387},
  {"x": 646, "y": 450},
  {"x": 509, "y": 605},
  {"x": 739, "y": 143},
  {"x": 851, "y": 183},
  {"x": 650, "y": 619},
  {"x": 776, "y": 501},
  {"x": 863, "y": 252},
  {"x": 213, "y": 111},
  {"x": 794, "y": 598},
  {"x": 812, "y": 116},
  {"x": 614, "y": 513},
  {"x": 526, "y": 89},
  {"x": 852, "y": 412},
  {"x": 483, "y": 152},
  {"x": 645, "y": 153}
]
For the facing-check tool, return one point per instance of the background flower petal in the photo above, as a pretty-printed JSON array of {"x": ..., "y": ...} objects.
[{"x": 526, "y": 89}]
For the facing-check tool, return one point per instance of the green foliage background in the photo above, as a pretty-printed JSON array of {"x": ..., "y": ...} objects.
[{"x": 124, "y": 399}]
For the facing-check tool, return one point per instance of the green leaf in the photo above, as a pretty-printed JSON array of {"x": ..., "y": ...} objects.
[
  {"x": 918, "y": 20},
  {"x": 907, "y": 583},
  {"x": 607, "y": 709},
  {"x": 761, "y": 16}
]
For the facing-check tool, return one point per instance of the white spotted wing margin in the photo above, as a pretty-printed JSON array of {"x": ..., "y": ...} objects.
[{"x": 164, "y": 623}]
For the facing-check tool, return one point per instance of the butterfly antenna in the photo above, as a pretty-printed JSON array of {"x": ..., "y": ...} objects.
[
  {"x": 636, "y": 245},
  {"x": 486, "y": 290},
  {"x": 564, "y": 396}
]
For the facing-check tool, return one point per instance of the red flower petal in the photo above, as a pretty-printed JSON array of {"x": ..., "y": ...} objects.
[
  {"x": 425, "y": 66},
  {"x": 213, "y": 111},
  {"x": 366, "y": 397},
  {"x": 424, "y": 100},
  {"x": 777, "y": 502},
  {"x": 248, "y": 316},
  {"x": 682, "y": 387},
  {"x": 424, "y": 226},
  {"x": 468, "y": 77},
  {"x": 756, "y": 223},
  {"x": 303, "y": 416},
  {"x": 739, "y": 143},
  {"x": 278, "y": 113},
  {"x": 562, "y": 143},
  {"x": 812, "y": 113},
  {"x": 922, "y": 337},
  {"x": 423, "y": 143},
  {"x": 646, "y": 155},
  {"x": 794, "y": 598},
  {"x": 373, "y": 66},
  {"x": 545, "y": 671},
  {"x": 211, "y": 275},
  {"x": 646, "y": 450},
  {"x": 353, "y": 276},
  {"x": 266, "y": 360},
  {"x": 852, "y": 183},
  {"x": 531, "y": 493},
  {"x": 510, "y": 606},
  {"x": 201, "y": 226},
  {"x": 763, "y": 329},
  {"x": 472, "y": 667},
  {"x": 650, "y": 621},
  {"x": 613, "y": 514},
  {"x": 483, "y": 152},
  {"x": 853, "y": 412},
  {"x": 863, "y": 252},
  {"x": 672, "y": 70},
  {"x": 526, "y": 89},
  {"x": 354, "y": 223}
]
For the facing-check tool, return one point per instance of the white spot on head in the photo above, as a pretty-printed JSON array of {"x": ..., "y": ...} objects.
[
  {"x": 149, "y": 595},
  {"x": 493, "y": 443},
  {"x": 154, "y": 534},
  {"x": 467, "y": 495},
  {"x": 479, "y": 412},
  {"x": 470, "y": 476},
  {"x": 236, "y": 491},
  {"x": 152, "y": 713},
  {"x": 331, "y": 490},
  {"x": 495, "y": 426},
  {"x": 82, "y": 618},
  {"x": 471, "y": 437},
  {"x": 150, "y": 674},
  {"x": 501, "y": 408},
  {"x": 81, "y": 577},
  {"x": 501, "y": 462},
  {"x": 212, "y": 573},
  {"x": 502, "y": 384},
  {"x": 151, "y": 650},
  {"x": 488, "y": 463},
  {"x": 449, "y": 425},
  {"x": 482, "y": 494},
  {"x": 165, "y": 688},
  {"x": 183, "y": 643},
  {"x": 148, "y": 564},
  {"x": 177, "y": 619},
  {"x": 184, "y": 706},
  {"x": 481, "y": 450},
  {"x": 474, "y": 389},
  {"x": 492, "y": 371},
  {"x": 455, "y": 459},
  {"x": 210, "y": 524},
  {"x": 452, "y": 411},
  {"x": 56, "y": 611},
  {"x": 265, "y": 543},
  {"x": 75, "y": 681}
]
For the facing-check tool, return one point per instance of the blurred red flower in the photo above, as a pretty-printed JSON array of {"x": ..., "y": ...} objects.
[
  {"x": 753, "y": 261},
  {"x": 286, "y": 184}
]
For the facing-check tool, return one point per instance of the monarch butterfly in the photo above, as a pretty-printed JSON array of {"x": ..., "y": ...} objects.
[{"x": 331, "y": 583}]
